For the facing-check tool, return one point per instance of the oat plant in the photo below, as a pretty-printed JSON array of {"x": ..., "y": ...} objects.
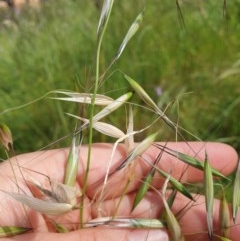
[{"x": 54, "y": 198}]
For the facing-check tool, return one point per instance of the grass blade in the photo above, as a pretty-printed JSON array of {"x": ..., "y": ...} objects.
[
  {"x": 209, "y": 196},
  {"x": 236, "y": 193},
  {"x": 7, "y": 231}
]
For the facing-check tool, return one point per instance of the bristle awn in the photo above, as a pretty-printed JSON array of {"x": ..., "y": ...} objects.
[
  {"x": 147, "y": 99},
  {"x": 176, "y": 184},
  {"x": 64, "y": 193},
  {"x": 192, "y": 161},
  {"x": 170, "y": 200},
  {"x": 108, "y": 169},
  {"x": 106, "y": 111},
  {"x": 209, "y": 196},
  {"x": 224, "y": 217},
  {"x": 129, "y": 141},
  {"x": 180, "y": 15},
  {"x": 173, "y": 194},
  {"x": 172, "y": 223},
  {"x": 7, "y": 141},
  {"x": 146, "y": 183},
  {"x": 73, "y": 159},
  {"x": 8, "y": 231},
  {"x": 60, "y": 199},
  {"x": 138, "y": 150},
  {"x": 84, "y": 98},
  {"x": 112, "y": 157},
  {"x": 44, "y": 207},
  {"x": 236, "y": 193},
  {"x": 225, "y": 9}
]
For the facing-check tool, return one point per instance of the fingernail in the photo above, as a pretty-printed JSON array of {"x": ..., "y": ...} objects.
[{"x": 149, "y": 235}]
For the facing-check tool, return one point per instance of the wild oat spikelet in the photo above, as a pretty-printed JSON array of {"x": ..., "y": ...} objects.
[{"x": 6, "y": 137}]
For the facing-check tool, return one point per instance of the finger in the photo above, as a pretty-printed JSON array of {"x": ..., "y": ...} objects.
[
  {"x": 98, "y": 234},
  {"x": 221, "y": 156},
  {"x": 192, "y": 215},
  {"x": 40, "y": 166},
  {"x": 52, "y": 163},
  {"x": 150, "y": 207},
  {"x": 194, "y": 220}
]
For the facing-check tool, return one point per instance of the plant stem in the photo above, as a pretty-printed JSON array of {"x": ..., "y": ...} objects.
[{"x": 90, "y": 137}]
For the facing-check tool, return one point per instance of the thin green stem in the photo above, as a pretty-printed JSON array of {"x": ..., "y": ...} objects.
[{"x": 90, "y": 138}]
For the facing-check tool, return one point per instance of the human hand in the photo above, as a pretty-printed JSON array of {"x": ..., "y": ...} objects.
[{"x": 53, "y": 163}]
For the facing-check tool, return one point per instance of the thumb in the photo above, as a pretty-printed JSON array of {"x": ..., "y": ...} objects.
[{"x": 99, "y": 234}]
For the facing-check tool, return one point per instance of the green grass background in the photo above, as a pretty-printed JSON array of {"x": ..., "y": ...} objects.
[{"x": 54, "y": 48}]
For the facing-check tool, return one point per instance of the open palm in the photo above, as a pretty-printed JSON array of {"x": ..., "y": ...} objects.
[{"x": 52, "y": 164}]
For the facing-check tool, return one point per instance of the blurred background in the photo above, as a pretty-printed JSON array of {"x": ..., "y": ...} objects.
[{"x": 190, "y": 66}]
